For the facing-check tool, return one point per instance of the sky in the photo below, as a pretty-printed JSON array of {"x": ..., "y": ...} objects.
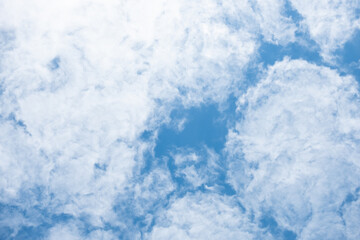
[{"x": 159, "y": 119}]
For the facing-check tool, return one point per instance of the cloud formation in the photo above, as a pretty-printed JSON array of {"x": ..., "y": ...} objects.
[
  {"x": 82, "y": 80},
  {"x": 86, "y": 87},
  {"x": 203, "y": 216},
  {"x": 330, "y": 23},
  {"x": 295, "y": 155}
]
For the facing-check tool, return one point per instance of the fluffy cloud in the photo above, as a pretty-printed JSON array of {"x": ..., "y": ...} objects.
[
  {"x": 203, "y": 216},
  {"x": 295, "y": 154},
  {"x": 329, "y": 23},
  {"x": 275, "y": 26},
  {"x": 82, "y": 80}
]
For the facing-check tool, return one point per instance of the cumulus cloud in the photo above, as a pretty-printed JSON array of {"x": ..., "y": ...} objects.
[
  {"x": 329, "y": 23},
  {"x": 81, "y": 81},
  {"x": 203, "y": 216},
  {"x": 275, "y": 26},
  {"x": 295, "y": 154}
]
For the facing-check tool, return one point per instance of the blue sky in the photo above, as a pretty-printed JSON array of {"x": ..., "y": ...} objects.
[{"x": 179, "y": 119}]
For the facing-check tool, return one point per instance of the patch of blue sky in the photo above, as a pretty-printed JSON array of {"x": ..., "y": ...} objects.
[
  {"x": 17, "y": 122},
  {"x": 54, "y": 64},
  {"x": 5, "y": 232},
  {"x": 350, "y": 198},
  {"x": 303, "y": 48},
  {"x": 292, "y": 13},
  {"x": 268, "y": 223},
  {"x": 44, "y": 218},
  {"x": 270, "y": 53},
  {"x": 349, "y": 56},
  {"x": 205, "y": 126}
]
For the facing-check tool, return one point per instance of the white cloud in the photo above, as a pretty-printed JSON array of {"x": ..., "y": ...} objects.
[
  {"x": 185, "y": 156},
  {"x": 103, "y": 235},
  {"x": 296, "y": 153},
  {"x": 275, "y": 26},
  {"x": 203, "y": 216},
  {"x": 159, "y": 182},
  {"x": 82, "y": 80},
  {"x": 62, "y": 231},
  {"x": 198, "y": 167},
  {"x": 15, "y": 145},
  {"x": 87, "y": 78},
  {"x": 351, "y": 215},
  {"x": 72, "y": 231},
  {"x": 330, "y": 23},
  {"x": 192, "y": 176}
]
